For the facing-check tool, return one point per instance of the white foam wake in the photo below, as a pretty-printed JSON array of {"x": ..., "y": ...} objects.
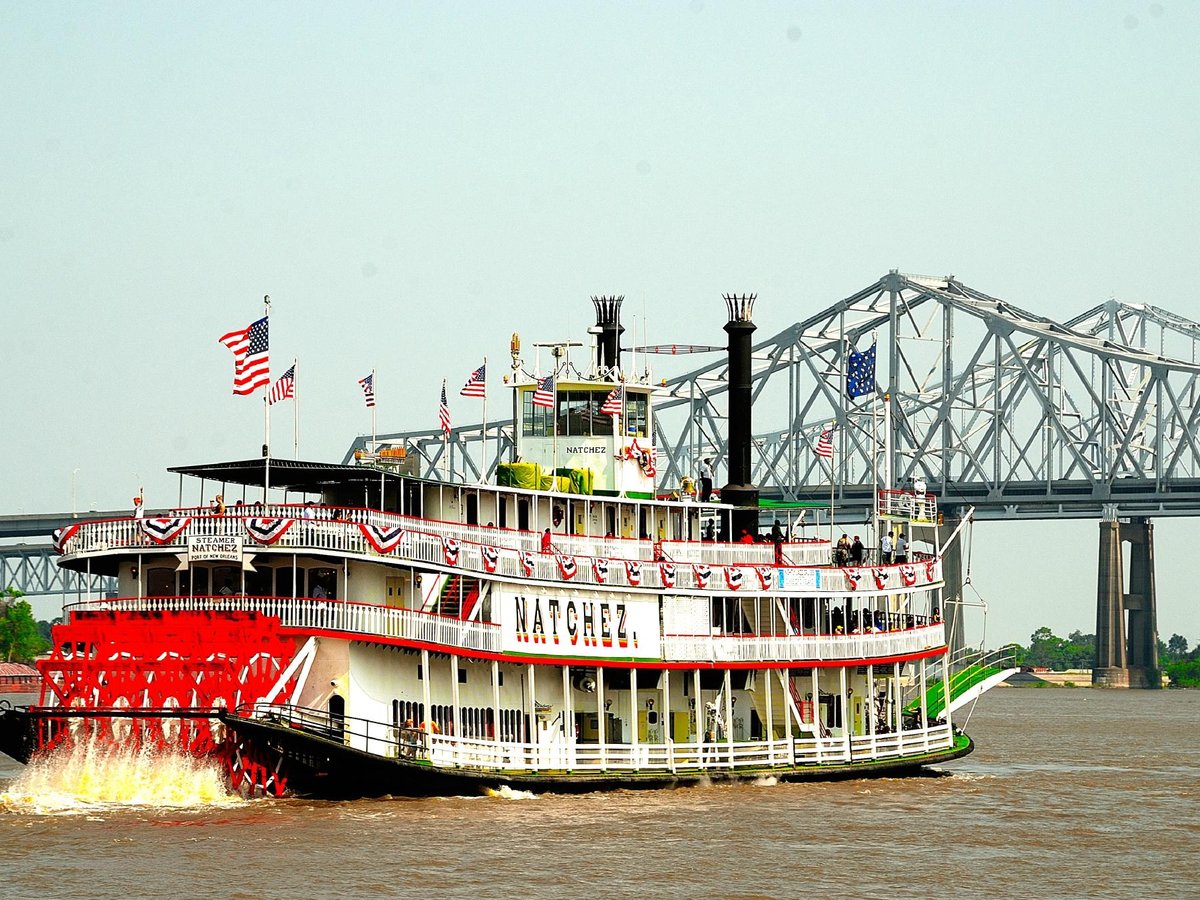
[{"x": 85, "y": 777}]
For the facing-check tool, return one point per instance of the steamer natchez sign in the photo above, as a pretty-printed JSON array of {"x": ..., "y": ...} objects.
[{"x": 574, "y": 623}]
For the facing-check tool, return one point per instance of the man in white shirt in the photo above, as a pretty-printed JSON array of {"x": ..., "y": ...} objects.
[{"x": 885, "y": 549}]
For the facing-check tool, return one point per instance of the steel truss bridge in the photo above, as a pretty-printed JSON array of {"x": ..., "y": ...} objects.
[{"x": 994, "y": 407}]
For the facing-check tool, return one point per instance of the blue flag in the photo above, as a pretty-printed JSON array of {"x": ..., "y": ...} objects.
[{"x": 860, "y": 373}]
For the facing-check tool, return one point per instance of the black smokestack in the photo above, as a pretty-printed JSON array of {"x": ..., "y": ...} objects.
[
  {"x": 608, "y": 320},
  {"x": 740, "y": 492}
]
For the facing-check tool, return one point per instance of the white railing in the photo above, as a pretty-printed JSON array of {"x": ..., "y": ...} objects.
[
  {"x": 557, "y": 755},
  {"x": 753, "y": 648},
  {"x": 423, "y": 542},
  {"x": 324, "y": 615},
  {"x": 907, "y": 504}
]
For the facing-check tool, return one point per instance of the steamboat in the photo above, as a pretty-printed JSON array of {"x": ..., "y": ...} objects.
[{"x": 353, "y": 629}]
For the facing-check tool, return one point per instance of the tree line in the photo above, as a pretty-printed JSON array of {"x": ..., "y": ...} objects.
[
  {"x": 1046, "y": 650},
  {"x": 22, "y": 638}
]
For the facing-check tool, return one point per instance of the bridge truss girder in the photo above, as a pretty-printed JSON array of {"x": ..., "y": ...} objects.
[
  {"x": 1011, "y": 411},
  {"x": 33, "y": 570}
]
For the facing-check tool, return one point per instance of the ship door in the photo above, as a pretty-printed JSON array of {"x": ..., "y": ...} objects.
[
  {"x": 472, "y": 509},
  {"x": 337, "y": 717},
  {"x": 522, "y": 514}
]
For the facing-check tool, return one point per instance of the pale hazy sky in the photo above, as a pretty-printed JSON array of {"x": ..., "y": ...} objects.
[{"x": 413, "y": 182}]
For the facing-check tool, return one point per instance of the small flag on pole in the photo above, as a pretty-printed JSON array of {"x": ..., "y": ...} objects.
[
  {"x": 612, "y": 403},
  {"x": 251, "y": 362},
  {"x": 544, "y": 395},
  {"x": 368, "y": 388},
  {"x": 284, "y": 388},
  {"x": 476, "y": 385},
  {"x": 444, "y": 410},
  {"x": 824, "y": 448}
]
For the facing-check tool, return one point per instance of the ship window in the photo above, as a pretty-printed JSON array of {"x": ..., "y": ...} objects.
[
  {"x": 199, "y": 582},
  {"x": 160, "y": 583},
  {"x": 635, "y": 415},
  {"x": 535, "y": 420},
  {"x": 322, "y": 583},
  {"x": 462, "y": 676},
  {"x": 258, "y": 584},
  {"x": 226, "y": 580},
  {"x": 283, "y": 582},
  {"x": 420, "y": 673}
]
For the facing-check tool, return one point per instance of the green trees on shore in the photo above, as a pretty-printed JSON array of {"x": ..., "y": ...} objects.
[
  {"x": 1078, "y": 651},
  {"x": 20, "y": 640}
]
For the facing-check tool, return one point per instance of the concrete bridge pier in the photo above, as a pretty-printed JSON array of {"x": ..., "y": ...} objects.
[{"x": 1126, "y": 618}]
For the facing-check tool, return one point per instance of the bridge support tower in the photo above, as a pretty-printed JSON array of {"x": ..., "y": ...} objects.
[{"x": 1126, "y": 618}]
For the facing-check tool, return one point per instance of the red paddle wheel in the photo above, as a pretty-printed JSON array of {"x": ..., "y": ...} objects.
[{"x": 112, "y": 661}]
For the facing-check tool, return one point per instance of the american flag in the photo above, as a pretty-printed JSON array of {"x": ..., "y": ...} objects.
[
  {"x": 860, "y": 373},
  {"x": 612, "y": 403},
  {"x": 544, "y": 395},
  {"x": 476, "y": 386},
  {"x": 368, "y": 386},
  {"x": 824, "y": 448},
  {"x": 284, "y": 388},
  {"x": 444, "y": 410},
  {"x": 251, "y": 364}
]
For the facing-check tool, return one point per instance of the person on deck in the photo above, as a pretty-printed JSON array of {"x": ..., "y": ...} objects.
[
  {"x": 777, "y": 540},
  {"x": 901, "y": 549},
  {"x": 706, "y": 480},
  {"x": 856, "y": 552},
  {"x": 886, "y": 546},
  {"x": 841, "y": 553},
  {"x": 746, "y": 538},
  {"x": 547, "y": 541}
]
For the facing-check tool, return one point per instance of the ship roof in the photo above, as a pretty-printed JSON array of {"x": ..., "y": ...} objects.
[{"x": 286, "y": 474}]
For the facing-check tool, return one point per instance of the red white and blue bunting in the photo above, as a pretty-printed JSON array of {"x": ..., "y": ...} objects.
[
  {"x": 527, "y": 563},
  {"x": 60, "y": 536},
  {"x": 567, "y": 565},
  {"x": 491, "y": 556},
  {"x": 854, "y": 576},
  {"x": 267, "y": 529},
  {"x": 734, "y": 577},
  {"x": 600, "y": 568},
  {"x": 667, "y": 571},
  {"x": 633, "y": 571},
  {"x": 384, "y": 539},
  {"x": 766, "y": 575},
  {"x": 908, "y": 574},
  {"x": 164, "y": 529},
  {"x": 450, "y": 549},
  {"x": 881, "y": 578},
  {"x": 703, "y": 574}
]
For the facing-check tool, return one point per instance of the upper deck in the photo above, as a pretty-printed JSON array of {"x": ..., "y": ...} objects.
[{"x": 501, "y": 553}]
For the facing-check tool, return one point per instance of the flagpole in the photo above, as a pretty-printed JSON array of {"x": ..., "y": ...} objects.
[
  {"x": 374, "y": 406},
  {"x": 295, "y": 410},
  {"x": 483, "y": 435},
  {"x": 267, "y": 408}
]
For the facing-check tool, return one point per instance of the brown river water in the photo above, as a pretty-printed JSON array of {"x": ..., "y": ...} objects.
[{"x": 1070, "y": 793}]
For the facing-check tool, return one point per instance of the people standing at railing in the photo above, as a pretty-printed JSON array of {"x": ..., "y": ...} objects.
[
  {"x": 139, "y": 506},
  {"x": 841, "y": 552},
  {"x": 777, "y": 540},
  {"x": 901, "y": 549},
  {"x": 886, "y": 548},
  {"x": 547, "y": 541},
  {"x": 856, "y": 552},
  {"x": 218, "y": 505},
  {"x": 706, "y": 480}
]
